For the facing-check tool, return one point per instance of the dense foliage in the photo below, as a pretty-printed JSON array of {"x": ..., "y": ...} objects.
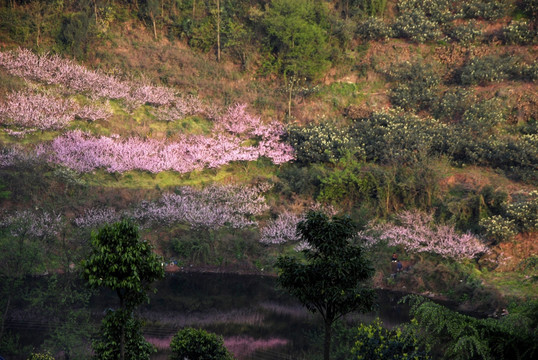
[
  {"x": 198, "y": 344},
  {"x": 331, "y": 281}
]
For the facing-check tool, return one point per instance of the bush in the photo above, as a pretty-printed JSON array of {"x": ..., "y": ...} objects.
[
  {"x": 298, "y": 179},
  {"x": 75, "y": 33},
  {"x": 479, "y": 71},
  {"x": 417, "y": 85},
  {"x": 374, "y": 28},
  {"x": 483, "y": 116},
  {"x": 198, "y": 344},
  {"x": 485, "y": 9},
  {"x": 416, "y": 26},
  {"x": 393, "y": 137},
  {"x": 498, "y": 228},
  {"x": 323, "y": 142},
  {"x": 466, "y": 33},
  {"x": 347, "y": 182},
  {"x": 439, "y": 11},
  {"x": 374, "y": 341},
  {"x": 41, "y": 356},
  {"x": 519, "y": 33},
  {"x": 529, "y": 7},
  {"x": 452, "y": 104}
]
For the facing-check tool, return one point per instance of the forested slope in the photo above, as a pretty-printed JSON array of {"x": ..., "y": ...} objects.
[{"x": 217, "y": 124}]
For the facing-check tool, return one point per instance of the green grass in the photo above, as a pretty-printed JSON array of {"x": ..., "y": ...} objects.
[
  {"x": 238, "y": 172},
  {"x": 512, "y": 284}
]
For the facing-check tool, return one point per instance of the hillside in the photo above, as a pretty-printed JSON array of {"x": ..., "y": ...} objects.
[{"x": 216, "y": 129}]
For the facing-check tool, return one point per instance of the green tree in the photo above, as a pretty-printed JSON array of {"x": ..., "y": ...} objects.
[
  {"x": 331, "y": 280},
  {"x": 122, "y": 262},
  {"x": 298, "y": 40},
  {"x": 198, "y": 344}
]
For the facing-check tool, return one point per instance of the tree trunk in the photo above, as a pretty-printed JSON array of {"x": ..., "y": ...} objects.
[
  {"x": 218, "y": 30},
  {"x": 327, "y": 341},
  {"x": 122, "y": 336},
  {"x": 193, "y": 9},
  {"x": 289, "y": 98},
  {"x": 4, "y": 316},
  {"x": 154, "y": 27}
]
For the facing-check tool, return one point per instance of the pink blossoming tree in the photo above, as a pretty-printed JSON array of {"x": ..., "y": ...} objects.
[{"x": 417, "y": 233}]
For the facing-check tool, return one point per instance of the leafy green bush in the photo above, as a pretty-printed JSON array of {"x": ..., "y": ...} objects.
[
  {"x": 416, "y": 26},
  {"x": 195, "y": 248},
  {"x": 483, "y": 116},
  {"x": 519, "y": 33},
  {"x": 41, "y": 356},
  {"x": 198, "y": 344},
  {"x": 439, "y": 11},
  {"x": 466, "y": 33},
  {"x": 465, "y": 208},
  {"x": 498, "y": 228},
  {"x": 374, "y": 28},
  {"x": 323, "y": 142},
  {"x": 452, "y": 104},
  {"x": 518, "y": 216},
  {"x": 374, "y": 341},
  {"x": 107, "y": 346},
  {"x": 529, "y": 7},
  {"x": 399, "y": 138},
  {"x": 76, "y": 32},
  {"x": 485, "y": 9},
  {"x": 346, "y": 182},
  {"x": 491, "y": 68},
  {"x": 297, "y": 179},
  {"x": 416, "y": 87}
]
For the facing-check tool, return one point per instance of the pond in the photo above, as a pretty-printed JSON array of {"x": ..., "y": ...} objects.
[
  {"x": 252, "y": 315},
  {"x": 257, "y": 320}
]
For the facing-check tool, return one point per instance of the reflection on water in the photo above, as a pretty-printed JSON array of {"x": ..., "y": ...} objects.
[
  {"x": 247, "y": 310},
  {"x": 256, "y": 320}
]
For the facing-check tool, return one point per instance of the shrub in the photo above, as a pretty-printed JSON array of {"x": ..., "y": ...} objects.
[
  {"x": 416, "y": 26},
  {"x": 452, "y": 104},
  {"x": 374, "y": 341},
  {"x": 400, "y": 138},
  {"x": 374, "y": 28},
  {"x": 41, "y": 356},
  {"x": 346, "y": 182},
  {"x": 483, "y": 116},
  {"x": 466, "y": 33},
  {"x": 297, "y": 179},
  {"x": 519, "y": 33},
  {"x": 323, "y": 142},
  {"x": 198, "y": 344},
  {"x": 498, "y": 228},
  {"x": 439, "y": 11},
  {"x": 490, "y": 68},
  {"x": 485, "y": 9},
  {"x": 416, "y": 87},
  {"x": 530, "y": 7},
  {"x": 519, "y": 216}
]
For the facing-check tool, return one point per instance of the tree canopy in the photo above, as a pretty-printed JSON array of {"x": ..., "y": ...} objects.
[
  {"x": 296, "y": 36},
  {"x": 121, "y": 261},
  {"x": 331, "y": 280}
]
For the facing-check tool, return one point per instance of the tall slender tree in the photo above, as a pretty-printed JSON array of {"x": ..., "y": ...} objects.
[
  {"x": 121, "y": 261},
  {"x": 332, "y": 279}
]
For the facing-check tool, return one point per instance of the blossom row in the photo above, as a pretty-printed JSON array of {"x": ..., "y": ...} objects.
[{"x": 46, "y": 112}]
